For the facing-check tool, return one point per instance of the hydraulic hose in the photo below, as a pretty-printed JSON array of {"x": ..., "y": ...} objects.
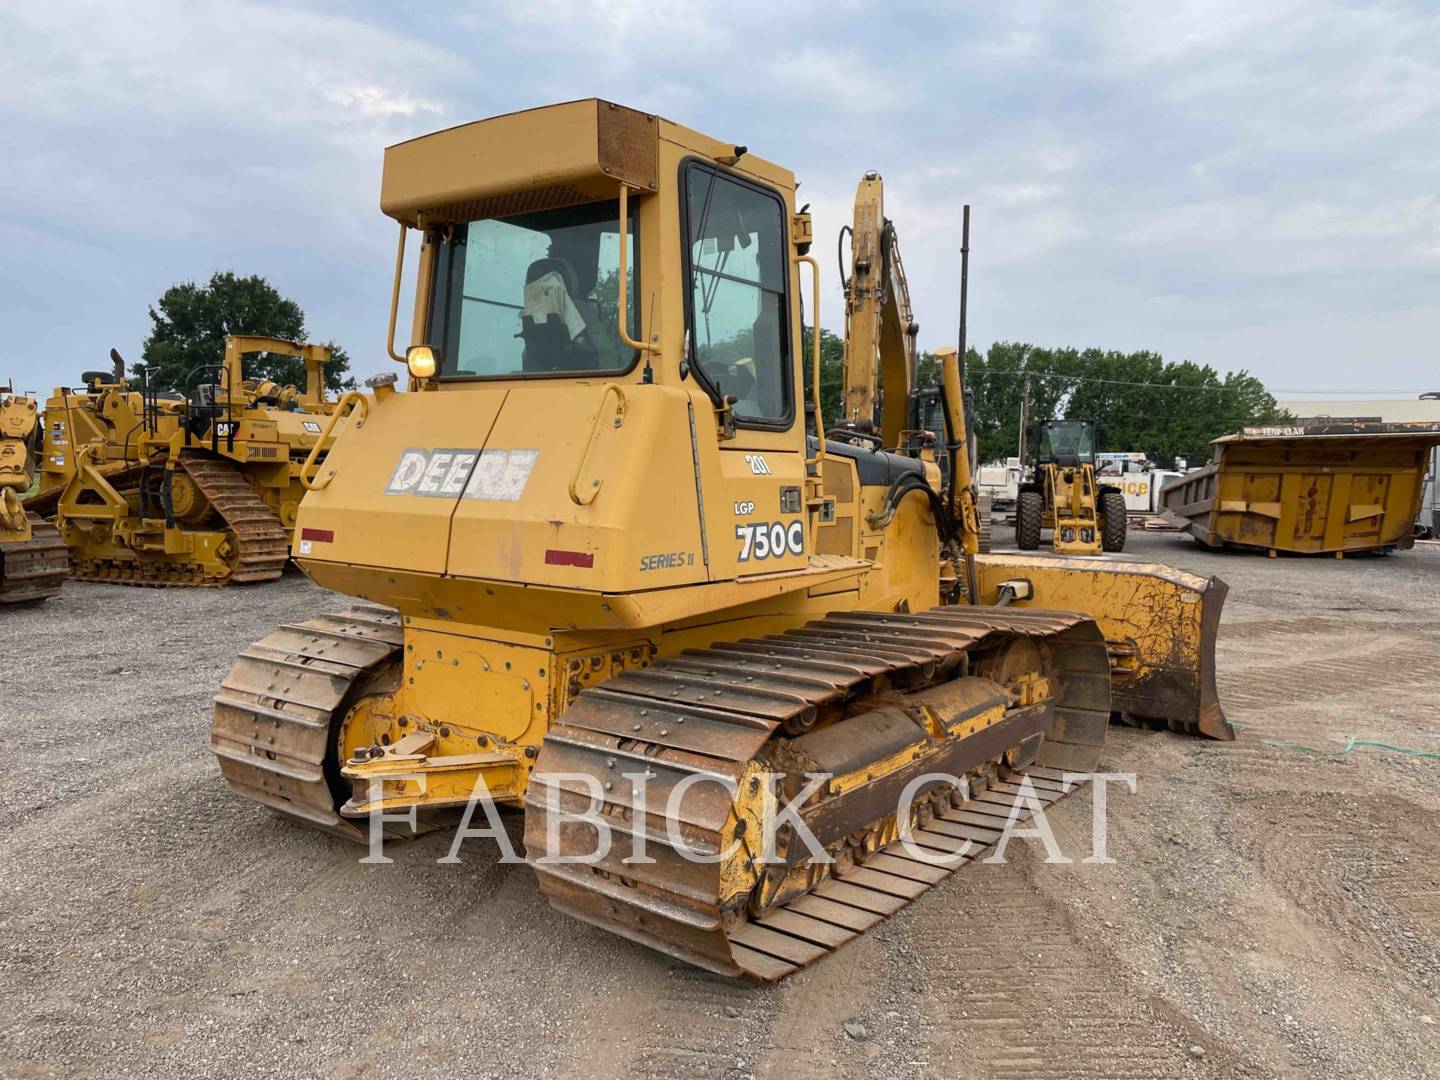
[{"x": 902, "y": 487}]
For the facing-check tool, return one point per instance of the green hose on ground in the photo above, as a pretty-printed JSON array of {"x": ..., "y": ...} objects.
[{"x": 1352, "y": 744}]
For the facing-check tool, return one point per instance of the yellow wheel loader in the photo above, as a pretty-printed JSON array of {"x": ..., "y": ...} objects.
[
  {"x": 193, "y": 488},
  {"x": 1086, "y": 517},
  {"x": 33, "y": 561},
  {"x": 609, "y": 579}
]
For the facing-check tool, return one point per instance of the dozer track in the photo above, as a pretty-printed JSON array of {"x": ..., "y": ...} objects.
[
  {"x": 272, "y": 724},
  {"x": 33, "y": 569},
  {"x": 717, "y": 712},
  {"x": 260, "y": 541}
]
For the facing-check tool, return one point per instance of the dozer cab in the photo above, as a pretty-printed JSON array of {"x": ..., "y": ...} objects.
[
  {"x": 199, "y": 487},
  {"x": 610, "y": 580},
  {"x": 33, "y": 561},
  {"x": 1063, "y": 495}
]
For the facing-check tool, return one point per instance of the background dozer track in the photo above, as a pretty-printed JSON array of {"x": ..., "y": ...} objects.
[
  {"x": 33, "y": 569},
  {"x": 257, "y": 539}
]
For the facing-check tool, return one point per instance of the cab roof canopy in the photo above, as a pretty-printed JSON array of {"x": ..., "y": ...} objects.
[{"x": 537, "y": 159}]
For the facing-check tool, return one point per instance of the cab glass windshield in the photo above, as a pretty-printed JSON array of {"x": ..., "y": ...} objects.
[
  {"x": 534, "y": 294},
  {"x": 1068, "y": 442}
]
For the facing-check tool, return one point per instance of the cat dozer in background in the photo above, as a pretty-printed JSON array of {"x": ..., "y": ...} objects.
[
  {"x": 193, "y": 488},
  {"x": 33, "y": 561},
  {"x": 607, "y": 547}
]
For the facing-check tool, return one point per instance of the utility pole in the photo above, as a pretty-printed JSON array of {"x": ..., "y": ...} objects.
[
  {"x": 964, "y": 285},
  {"x": 1024, "y": 417}
]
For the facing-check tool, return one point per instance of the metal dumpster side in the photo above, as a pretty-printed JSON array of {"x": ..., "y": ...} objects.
[{"x": 1316, "y": 489}]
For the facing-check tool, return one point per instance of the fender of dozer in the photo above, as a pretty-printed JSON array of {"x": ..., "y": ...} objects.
[{"x": 1160, "y": 624}]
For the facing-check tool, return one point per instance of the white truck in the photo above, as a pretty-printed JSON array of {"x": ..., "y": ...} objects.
[
  {"x": 1137, "y": 477},
  {"x": 1000, "y": 480}
]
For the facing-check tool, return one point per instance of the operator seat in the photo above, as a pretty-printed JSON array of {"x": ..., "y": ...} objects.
[{"x": 555, "y": 317}]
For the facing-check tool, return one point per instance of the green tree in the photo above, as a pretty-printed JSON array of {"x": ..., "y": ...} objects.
[
  {"x": 1138, "y": 401},
  {"x": 190, "y": 321},
  {"x": 832, "y": 374}
]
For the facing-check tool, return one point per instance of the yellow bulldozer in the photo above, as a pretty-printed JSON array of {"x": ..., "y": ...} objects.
[
  {"x": 621, "y": 587},
  {"x": 33, "y": 561},
  {"x": 199, "y": 487},
  {"x": 1063, "y": 495}
]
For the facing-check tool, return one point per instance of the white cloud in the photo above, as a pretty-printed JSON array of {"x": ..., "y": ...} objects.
[
  {"x": 376, "y": 101},
  {"x": 151, "y": 106},
  {"x": 1212, "y": 178},
  {"x": 841, "y": 80}
]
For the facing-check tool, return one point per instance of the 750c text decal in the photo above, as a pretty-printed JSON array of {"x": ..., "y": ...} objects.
[{"x": 771, "y": 539}]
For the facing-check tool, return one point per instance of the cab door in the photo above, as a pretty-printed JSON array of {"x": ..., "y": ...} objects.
[{"x": 740, "y": 330}]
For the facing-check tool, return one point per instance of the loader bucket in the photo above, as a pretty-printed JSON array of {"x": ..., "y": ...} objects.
[{"x": 1160, "y": 625}]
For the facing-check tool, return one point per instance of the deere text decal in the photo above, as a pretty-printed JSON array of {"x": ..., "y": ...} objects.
[{"x": 499, "y": 475}]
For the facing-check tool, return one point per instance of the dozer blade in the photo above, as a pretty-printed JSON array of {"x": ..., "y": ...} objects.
[
  {"x": 912, "y": 699},
  {"x": 1160, "y": 625}
]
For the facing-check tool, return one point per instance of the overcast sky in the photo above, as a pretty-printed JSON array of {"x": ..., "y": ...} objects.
[{"x": 1245, "y": 184}]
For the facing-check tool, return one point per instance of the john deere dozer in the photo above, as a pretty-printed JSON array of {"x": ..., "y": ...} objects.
[
  {"x": 617, "y": 573},
  {"x": 33, "y": 562},
  {"x": 199, "y": 488}
]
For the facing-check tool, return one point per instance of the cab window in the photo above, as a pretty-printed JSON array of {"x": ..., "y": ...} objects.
[
  {"x": 1067, "y": 443},
  {"x": 736, "y": 301},
  {"x": 534, "y": 294}
]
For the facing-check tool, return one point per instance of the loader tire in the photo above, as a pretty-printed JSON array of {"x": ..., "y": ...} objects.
[
  {"x": 1113, "y": 523},
  {"x": 1029, "y": 510}
]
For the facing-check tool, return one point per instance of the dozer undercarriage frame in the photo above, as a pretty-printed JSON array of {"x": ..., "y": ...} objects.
[{"x": 223, "y": 534}]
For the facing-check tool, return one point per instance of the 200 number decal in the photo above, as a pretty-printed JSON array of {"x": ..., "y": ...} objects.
[{"x": 770, "y": 539}]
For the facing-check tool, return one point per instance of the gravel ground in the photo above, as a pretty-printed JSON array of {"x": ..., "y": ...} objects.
[{"x": 1272, "y": 912}]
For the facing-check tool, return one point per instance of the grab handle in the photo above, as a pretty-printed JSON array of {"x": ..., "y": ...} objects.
[
  {"x": 344, "y": 408},
  {"x": 586, "y": 497}
]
